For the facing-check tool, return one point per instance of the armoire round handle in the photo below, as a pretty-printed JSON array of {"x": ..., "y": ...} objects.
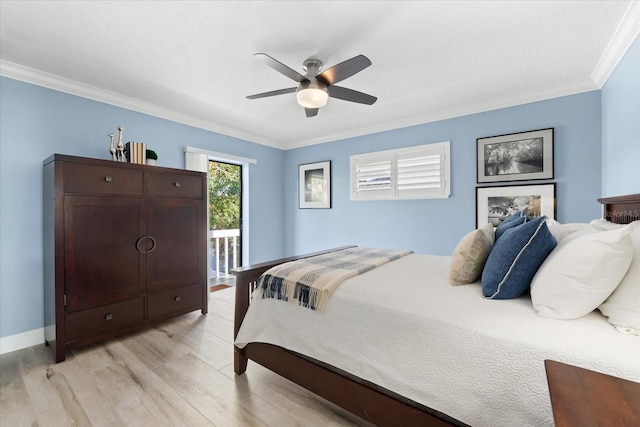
[{"x": 153, "y": 244}]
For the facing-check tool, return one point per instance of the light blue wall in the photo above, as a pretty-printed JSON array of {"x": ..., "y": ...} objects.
[
  {"x": 435, "y": 226},
  {"x": 621, "y": 127},
  {"x": 37, "y": 122}
]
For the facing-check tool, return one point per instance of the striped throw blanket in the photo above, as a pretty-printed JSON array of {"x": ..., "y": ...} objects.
[{"x": 309, "y": 282}]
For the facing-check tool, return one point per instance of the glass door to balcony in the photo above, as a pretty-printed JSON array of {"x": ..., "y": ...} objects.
[{"x": 225, "y": 221}]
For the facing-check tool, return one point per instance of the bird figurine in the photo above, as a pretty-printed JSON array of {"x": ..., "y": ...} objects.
[
  {"x": 112, "y": 148},
  {"x": 120, "y": 147}
]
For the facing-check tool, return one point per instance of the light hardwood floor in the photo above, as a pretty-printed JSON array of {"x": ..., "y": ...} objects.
[{"x": 177, "y": 373}]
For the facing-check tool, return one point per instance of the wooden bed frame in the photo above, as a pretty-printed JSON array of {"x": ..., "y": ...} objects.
[
  {"x": 369, "y": 401},
  {"x": 621, "y": 210}
]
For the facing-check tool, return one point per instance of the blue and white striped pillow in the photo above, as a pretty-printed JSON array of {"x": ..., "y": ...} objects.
[{"x": 515, "y": 259}]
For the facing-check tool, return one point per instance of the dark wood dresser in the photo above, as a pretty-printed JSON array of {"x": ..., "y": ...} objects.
[
  {"x": 584, "y": 398},
  {"x": 124, "y": 245}
]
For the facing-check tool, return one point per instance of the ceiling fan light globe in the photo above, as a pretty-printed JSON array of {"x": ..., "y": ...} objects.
[{"x": 312, "y": 97}]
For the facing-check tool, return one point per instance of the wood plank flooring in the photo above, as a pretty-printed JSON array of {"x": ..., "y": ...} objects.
[{"x": 178, "y": 373}]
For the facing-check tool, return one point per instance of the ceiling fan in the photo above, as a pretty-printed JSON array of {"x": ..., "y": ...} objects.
[{"x": 315, "y": 88}]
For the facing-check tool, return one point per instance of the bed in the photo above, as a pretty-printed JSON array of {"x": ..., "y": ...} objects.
[{"x": 459, "y": 363}]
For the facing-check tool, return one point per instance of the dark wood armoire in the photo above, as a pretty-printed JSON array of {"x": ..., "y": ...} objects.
[{"x": 124, "y": 245}]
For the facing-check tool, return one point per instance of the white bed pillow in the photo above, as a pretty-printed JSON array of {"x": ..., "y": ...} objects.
[
  {"x": 581, "y": 273},
  {"x": 603, "y": 224},
  {"x": 623, "y": 306},
  {"x": 560, "y": 231},
  {"x": 470, "y": 255}
]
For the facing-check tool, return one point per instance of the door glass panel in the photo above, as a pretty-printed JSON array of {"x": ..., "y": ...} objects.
[{"x": 225, "y": 213}]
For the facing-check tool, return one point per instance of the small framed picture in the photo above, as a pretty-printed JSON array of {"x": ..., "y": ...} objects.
[
  {"x": 314, "y": 185},
  {"x": 494, "y": 204},
  {"x": 515, "y": 157}
]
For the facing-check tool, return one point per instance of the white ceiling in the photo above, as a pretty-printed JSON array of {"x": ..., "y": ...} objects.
[{"x": 192, "y": 61}]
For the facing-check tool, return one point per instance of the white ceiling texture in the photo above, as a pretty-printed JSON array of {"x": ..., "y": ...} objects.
[{"x": 192, "y": 61}]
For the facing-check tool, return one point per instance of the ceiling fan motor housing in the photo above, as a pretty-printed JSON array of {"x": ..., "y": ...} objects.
[{"x": 312, "y": 67}]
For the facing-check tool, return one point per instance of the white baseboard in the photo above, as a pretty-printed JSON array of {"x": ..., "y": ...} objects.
[{"x": 20, "y": 341}]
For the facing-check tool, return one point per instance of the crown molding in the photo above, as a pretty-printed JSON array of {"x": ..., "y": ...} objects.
[
  {"x": 62, "y": 84},
  {"x": 496, "y": 104},
  {"x": 626, "y": 33}
]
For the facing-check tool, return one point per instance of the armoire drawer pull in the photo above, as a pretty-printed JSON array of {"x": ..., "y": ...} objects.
[
  {"x": 108, "y": 316},
  {"x": 177, "y": 184},
  {"x": 177, "y": 299},
  {"x": 108, "y": 178}
]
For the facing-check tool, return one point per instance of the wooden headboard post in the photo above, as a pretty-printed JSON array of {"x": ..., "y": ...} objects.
[{"x": 622, "y": 209}]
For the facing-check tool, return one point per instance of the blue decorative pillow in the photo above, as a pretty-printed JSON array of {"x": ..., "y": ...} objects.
[
  {"x": 514, "y": 220},
  {"x": 515, "y": 259},
  {"x": 521, "y": 213}
]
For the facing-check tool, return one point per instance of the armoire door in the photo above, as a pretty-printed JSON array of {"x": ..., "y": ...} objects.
[
  {"x": 177, "y": 227},
  {"x": 102, "y": 262}
]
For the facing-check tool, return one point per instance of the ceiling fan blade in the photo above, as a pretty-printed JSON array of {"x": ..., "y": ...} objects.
[
  {"x": 281, "y": 68},
  {"x": 344, "y": 70},
  {"x": 272, "y": 93},
  {"x": 345, "y": 94},
  {"x": 311, "y": 112}
]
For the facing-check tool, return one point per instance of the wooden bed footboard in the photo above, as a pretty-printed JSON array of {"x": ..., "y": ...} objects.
[{"x": 369, "y": 401}]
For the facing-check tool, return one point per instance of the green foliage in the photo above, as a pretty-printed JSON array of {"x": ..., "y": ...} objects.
[
  {"x": 224, "y": 196},
  {"x": 152, "y": 155}
]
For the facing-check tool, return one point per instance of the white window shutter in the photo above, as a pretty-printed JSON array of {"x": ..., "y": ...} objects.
[
  {"x": 371, "y": 177},
  {"x": 420, "y": 172}
]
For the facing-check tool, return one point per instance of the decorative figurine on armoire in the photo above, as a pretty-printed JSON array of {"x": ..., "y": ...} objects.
[
  {"x": 112, "y": 148},
  {"x": 120, "y": 147}
]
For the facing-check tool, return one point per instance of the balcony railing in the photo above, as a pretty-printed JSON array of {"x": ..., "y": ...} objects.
[{"x": 224, "y": 251}]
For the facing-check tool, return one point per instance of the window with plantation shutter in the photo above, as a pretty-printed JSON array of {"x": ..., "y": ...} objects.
[
  {"x": 420, "y": 172},
  {"x": 373, "y": 177}
]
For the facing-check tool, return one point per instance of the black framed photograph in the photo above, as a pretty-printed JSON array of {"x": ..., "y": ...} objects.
[
  {"x": 515, "y": 157},
  {"x": 314, "y": 185},
  {"x": 494, "y": 204}
]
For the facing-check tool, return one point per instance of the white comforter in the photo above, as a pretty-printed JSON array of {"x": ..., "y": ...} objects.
[{"x": 403, "y": 327}]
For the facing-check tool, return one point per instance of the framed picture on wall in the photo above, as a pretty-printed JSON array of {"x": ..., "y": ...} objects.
[
  {"x": 515, "y": 157},
  {"x": 494, "y": 204},
  {"x": 314, "y": 185}
]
